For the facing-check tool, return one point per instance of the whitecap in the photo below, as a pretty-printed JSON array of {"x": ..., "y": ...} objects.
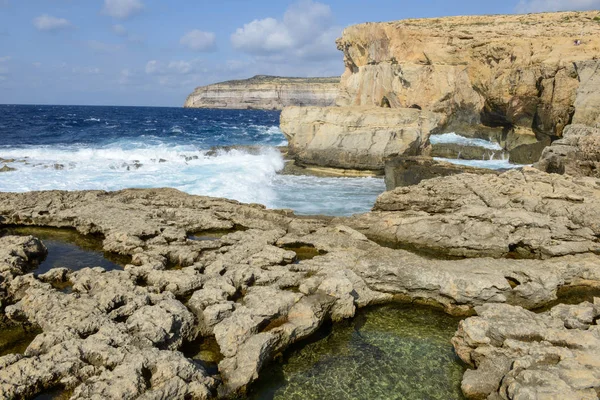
[
  {"x": 234, "y": 174},
  {"x": 462, "y": 140},
  {"x": 487, "y": 164}
]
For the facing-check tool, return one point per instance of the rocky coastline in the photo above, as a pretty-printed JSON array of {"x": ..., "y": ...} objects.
[
  {"x": 494, "y": 248},
  {"x": 255, "y": 292}
]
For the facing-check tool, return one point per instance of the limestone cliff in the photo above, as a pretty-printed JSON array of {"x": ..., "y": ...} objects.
[
  {"x": 516, "y": 73},
  {"x": 357, "y": 138},
  {"x": 266, "y": 93}
]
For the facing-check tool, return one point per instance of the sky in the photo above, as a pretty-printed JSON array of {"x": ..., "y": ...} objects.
[{"x": 155, "y": 52}]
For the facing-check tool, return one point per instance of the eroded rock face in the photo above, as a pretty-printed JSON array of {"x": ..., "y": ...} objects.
[
  {"x": 519, "y": 72},
  {"x": 266, "y": 93},
  {"x": 519, "y": 354},
  {"x": 18, "y": 255},
  {"x": 355, "y": 137},
  {"x": 409, "y": 171},
  {"x": 116, "y": 335},
  {"x": 525, "y": 213},
  {"x": 576, "y": 154}
]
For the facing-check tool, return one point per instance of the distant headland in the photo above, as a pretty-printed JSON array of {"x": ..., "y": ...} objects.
[{"x": 266, "y": 93}]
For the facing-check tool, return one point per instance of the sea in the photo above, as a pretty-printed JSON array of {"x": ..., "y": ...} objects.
[{"x": 112, "y": 148}]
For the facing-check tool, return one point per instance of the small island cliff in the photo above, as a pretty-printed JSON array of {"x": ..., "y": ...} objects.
[{"x": 264, "y": 92}]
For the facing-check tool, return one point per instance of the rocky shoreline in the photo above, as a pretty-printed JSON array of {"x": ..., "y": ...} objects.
[
  {"x": 494, "y": 248},
  {"x": 255, "y": 290}
]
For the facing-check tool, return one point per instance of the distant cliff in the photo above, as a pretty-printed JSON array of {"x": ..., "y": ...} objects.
[{"x": 266, "y": 93}]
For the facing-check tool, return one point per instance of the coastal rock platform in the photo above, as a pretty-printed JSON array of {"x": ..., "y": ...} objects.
[{"x": 251, "y": 279}]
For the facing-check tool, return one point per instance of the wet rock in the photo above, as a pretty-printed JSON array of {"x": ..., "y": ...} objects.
[
  {"x": 465, "y": 152},
  {"x": 6, "y": 168},
  {"x": 408, "y": 171}
]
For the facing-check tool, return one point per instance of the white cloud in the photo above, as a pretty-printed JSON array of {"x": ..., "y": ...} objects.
[
  {"x": 37, "y": 64},
  {"x": 5, "y": 59},
  {"x": 122, "y": 9},
  {"x": 306, "y": 31},
  {"x": 49, "y": 23},
  {"x": 198, "y": 40},
  {"x": 119, "y": 30},
  {"x": 125, "y": 76},
  {"x": 532, "y": 6}
]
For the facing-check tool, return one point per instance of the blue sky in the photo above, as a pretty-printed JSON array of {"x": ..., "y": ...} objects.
[{"x": 154, "y": 52}]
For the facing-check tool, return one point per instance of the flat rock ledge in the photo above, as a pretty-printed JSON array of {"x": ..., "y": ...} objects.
[
  {"x": 524, "y": 214},
  {"x": 119, "y": 334}
]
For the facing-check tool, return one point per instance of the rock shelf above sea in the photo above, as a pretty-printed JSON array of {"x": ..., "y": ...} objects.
[{"x": 116, "y": 334}]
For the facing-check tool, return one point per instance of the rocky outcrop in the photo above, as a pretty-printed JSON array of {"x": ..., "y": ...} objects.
[
  {"x": 116, "y": 334},
  {"x": 517, "y": 72},
  {"x": 408, "y": 171},
  {"x": 516, "y": 79},
  {"x": 355, "y": 137},
  {"x": 266, "y": 93},
  {"x": 525, "y": 213},
  {"x": 578, "y": 152},
  {"x": 518, "y": 354}
]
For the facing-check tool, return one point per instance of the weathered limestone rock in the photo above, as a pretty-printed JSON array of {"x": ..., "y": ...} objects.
[
  {"x": 408, "y": 171},
  {"x": 525, "y": 213},
  {"x": 517, "y": 71},
  {"x": 18, "y": 255},
  {"x": 115, "y": 334},
  {"x": 576, "y": 154},
  {"x": 519, "y": 354},
  {"x": 266, "y": 93},
  {"x": 355, "y": 137}
]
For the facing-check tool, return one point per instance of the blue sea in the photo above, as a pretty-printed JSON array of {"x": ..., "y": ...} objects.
[{"x": 111, "y": 148}]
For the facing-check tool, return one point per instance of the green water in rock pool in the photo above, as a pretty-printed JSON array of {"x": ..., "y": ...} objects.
[
  {"x": 386, "y": 352},
  {"x": 15, "y": 339},
  {"x": 68, "y": 248}
]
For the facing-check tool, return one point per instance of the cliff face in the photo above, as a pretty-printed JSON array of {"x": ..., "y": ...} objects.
[
  {"x": 266, "y": 93},
  {"x": 518, "y": 73},
  {"x": 357, "y": 138}
]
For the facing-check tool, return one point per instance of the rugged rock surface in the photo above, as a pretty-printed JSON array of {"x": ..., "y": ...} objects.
[
  {"x": 408, "y": 171},
  {"x": 526, "y": 213},
  {"x": 576, "y": 154},
  {"x": 514, "y": 72},
  {"x": 18, "y": 255},
  {"x": 465, "y": 152},
  {"x": 270, "y": 280},
  {"x": 355, "y": 137},
  {"x": 266, "y": 93},
  {"x": 522, "y": 355}
]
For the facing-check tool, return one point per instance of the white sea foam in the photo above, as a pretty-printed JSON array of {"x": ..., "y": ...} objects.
[
  {"x": 487, "y": 164},
  {"x": 465, "y": 141},
  {"x": 232, "y": 174}
]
